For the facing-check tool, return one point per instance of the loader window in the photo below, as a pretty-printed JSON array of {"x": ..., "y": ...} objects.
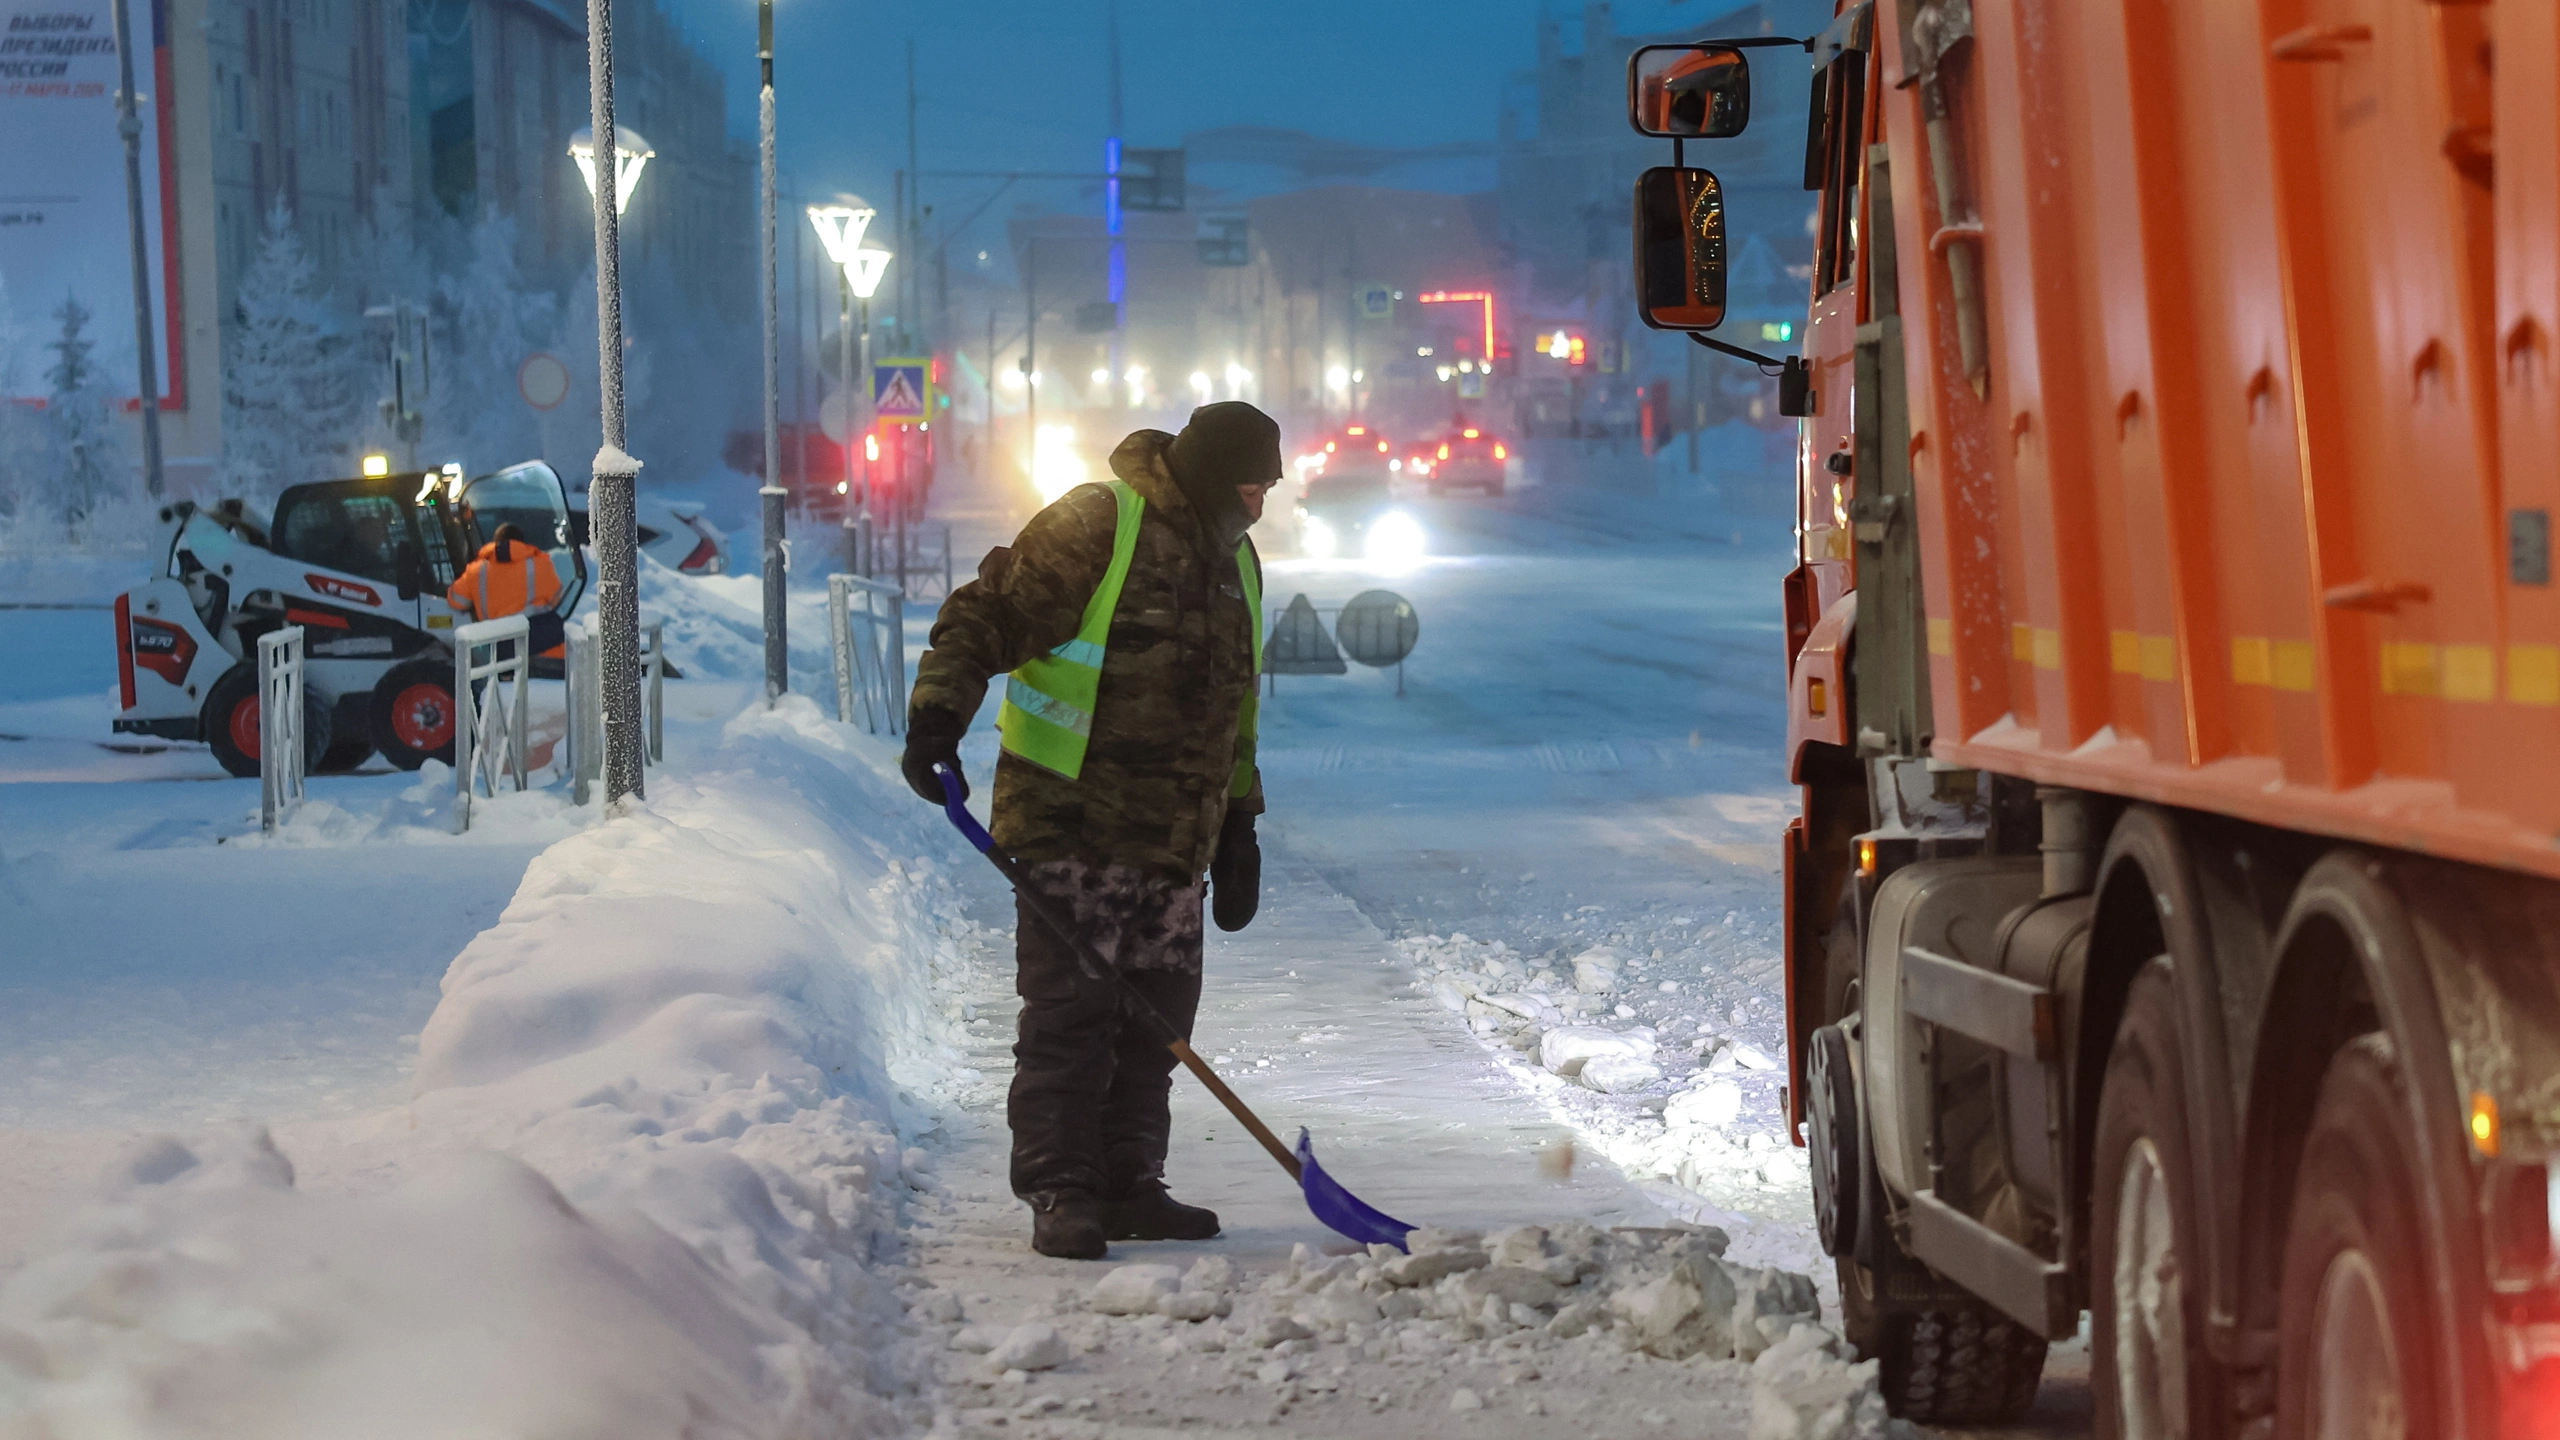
[{"x": 352, "y": 527}]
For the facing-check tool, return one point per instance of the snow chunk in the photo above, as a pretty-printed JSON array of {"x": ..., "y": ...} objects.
[
  {"x": 1030, "y": 1347},
  {"x": 1134, "y": 1289},
  {"x": 1567, "y": 1048},
  {"x": 1618, "y": 1074},
  {"x": 1595, "y": 971},
  {"x": 1805, "y": 1388},
  {"x": 1768, "y": 1305},
  {"x": 1711, "y": 1106}
]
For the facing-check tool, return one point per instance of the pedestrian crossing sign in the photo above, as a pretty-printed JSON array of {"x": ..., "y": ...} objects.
[{"x": 900, "y": 390}]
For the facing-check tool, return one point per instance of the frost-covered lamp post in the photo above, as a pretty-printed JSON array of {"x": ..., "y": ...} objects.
[
  {"x": 840, "y": 228},
  {"x": 129, "y": 125},
  {"x": 611, "y": 492},
  {"x": 777, "y": 640},
  {"x": 862, "y": 275}
]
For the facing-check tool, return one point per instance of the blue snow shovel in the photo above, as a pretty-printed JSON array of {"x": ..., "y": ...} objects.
[{"x": 1339, "y": 1209}]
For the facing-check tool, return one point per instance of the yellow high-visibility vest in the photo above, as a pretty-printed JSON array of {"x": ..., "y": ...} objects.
[{"x": 1047, "y": 714}]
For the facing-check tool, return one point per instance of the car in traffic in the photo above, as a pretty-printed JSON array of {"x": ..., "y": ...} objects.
[
  {"x": 675, "y": 533},
  {"x": 1468, "y": 457},
  {"x": 1351, "y": 512}
]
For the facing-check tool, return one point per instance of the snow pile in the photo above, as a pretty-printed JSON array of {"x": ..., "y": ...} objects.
[
  {"x": 1686, "y": 1112},
  {"x": 645, "y": 1187},
  {"x": 422, "y": 814},
  {"x": 1809, "y": 1387},
  {"x": 1569, "y": 1291}
]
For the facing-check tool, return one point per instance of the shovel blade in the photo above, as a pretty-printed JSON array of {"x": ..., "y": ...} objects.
[{"x": 1341, "y": 1211}]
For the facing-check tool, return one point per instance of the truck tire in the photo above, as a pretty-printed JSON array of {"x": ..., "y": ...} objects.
[
  {"x": 413, "y": 713},
  {"x": 2148, "y": 1366},
  {"x": 1946, "y": 1358},
  {"x": 2354, "y": 1300},
  {"x": 231, "y": 722}
]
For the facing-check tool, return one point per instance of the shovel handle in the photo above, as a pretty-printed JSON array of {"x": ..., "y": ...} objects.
[
  {"x": 1191, "y": 1061},
  {"x": 1099, "y": 969}
]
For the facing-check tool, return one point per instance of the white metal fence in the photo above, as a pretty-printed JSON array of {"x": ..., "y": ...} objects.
[
  {"x": 489, "y": 701},
  {"x": 585, "y": 673},
  {"x": 280, "y": 718},
  {"x": 867, "y": 627}
]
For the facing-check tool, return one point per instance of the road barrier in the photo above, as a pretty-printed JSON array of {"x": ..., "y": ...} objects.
[
  {"x": 489, "y": 725},
  {"x": 870, "y": 645},
  {"x": 280, "y": 720},
  {"x": 585, "y": 673}
]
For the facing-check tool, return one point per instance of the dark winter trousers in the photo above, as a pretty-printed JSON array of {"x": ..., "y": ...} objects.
[{"x": 1091, "y": 1080}]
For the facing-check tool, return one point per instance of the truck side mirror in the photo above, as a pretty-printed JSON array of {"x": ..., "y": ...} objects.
[
  {"x": 1680, "y": 248},
  {"x": 1688, "y": 92}
]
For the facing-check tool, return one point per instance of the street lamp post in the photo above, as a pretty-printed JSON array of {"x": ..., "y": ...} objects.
[
  {"x": 862, "y": 274},
  {"x": 840, "y": 227},
  {"x": 613, "y": 486},
  {"x": 129, "y": 125},
  {"x": 777, "y": 640}
]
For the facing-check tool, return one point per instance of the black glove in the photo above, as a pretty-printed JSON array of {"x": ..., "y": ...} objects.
[
  {"x": 933, "y": 738},
  {"x": 1235, "y": 875}
]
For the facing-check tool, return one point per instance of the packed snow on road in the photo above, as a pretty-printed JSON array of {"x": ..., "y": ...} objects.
[{"x": 690, "y": 1120}]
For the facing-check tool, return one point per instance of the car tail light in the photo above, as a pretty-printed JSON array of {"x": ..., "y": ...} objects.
[
  {"x": 124, "y": 648},
  {"x": 1328, "y": 447},
  {"x": 1499, "y": 453},
  {"x": 1444, "y": 452},
  {"x": 1471, "y": 434},
  {"x": 1382, "y": 447}
]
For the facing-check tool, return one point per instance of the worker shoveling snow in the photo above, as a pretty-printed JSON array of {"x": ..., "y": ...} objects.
[{"x": 1548, "y": 1313}]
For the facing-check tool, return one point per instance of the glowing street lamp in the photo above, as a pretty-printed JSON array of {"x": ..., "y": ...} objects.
[
  {"x": 865, "y": 269},
  {"x": 840, "y": 226},
  {"x": 631, "y": 155}
]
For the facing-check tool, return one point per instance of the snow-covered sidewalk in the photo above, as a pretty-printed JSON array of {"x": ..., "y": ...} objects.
[
  {"x": 648, "y": 1182},
  {"x": 1311, "y": 1015}
]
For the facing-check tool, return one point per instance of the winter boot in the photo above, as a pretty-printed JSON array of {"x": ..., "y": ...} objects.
[
  {"x": 1148, "y": 1213},
  {"x": 1067, "y": 1224}
]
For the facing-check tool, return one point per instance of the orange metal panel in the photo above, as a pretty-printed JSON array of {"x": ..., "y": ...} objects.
[
  {"x": 2527, "y": 395},
  {"x": 2266, "y": 468}
]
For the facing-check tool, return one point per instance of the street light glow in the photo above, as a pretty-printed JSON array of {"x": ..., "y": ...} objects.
[
  {"x": 631, "y": 155},
  {"x": 840, "y": 227},
  {"x": 1101, "y": 375},
  {"x": 1238, "y": 377},
  {"x": 1337, "y": 378},
  {"x": 1201, "y": 387},
  {"x": 864, "y": 269}
]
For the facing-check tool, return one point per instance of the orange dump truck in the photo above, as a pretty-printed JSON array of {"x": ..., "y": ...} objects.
[{"x": 2173, "y": 933}]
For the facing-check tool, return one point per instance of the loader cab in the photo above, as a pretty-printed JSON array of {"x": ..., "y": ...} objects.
[{"x": 416, "y": 532}]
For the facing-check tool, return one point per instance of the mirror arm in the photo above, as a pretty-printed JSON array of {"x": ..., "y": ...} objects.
[{"x": 1737, "y": 352}]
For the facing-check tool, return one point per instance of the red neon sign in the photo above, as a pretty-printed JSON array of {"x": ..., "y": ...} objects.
[{"x": 1438, "y": 297}]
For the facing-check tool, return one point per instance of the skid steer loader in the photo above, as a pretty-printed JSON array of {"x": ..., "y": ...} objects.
[{"x": 362, "y": 565}]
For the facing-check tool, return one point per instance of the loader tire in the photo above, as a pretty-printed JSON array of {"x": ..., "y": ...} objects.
[
  {"x": 231, "y": 722},
  {"x": 413, "y": 713}
]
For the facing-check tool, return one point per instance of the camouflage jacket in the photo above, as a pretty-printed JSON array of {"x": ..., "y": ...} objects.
[{"x": 1175, "y": 674}]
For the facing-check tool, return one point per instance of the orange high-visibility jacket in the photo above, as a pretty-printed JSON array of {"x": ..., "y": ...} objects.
[{"x": 497, "y": 585}]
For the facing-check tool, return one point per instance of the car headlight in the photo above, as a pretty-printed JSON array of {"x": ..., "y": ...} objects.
[
  {"x": 1317, "y": 539},
  {"x": 1395, "y": 538}
]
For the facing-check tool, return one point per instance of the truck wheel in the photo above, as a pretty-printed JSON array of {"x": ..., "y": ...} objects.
[
  {"x": 1946, "y": 1357},
  {"x": 413, "y": 714},
  {"x": 2149, "y": 1367},
  {"x": 231, "y": 722},
  {"x": 2354, "y": 1297}
]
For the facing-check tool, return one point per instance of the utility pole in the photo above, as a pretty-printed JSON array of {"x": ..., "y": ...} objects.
[
  {"x": 777, "y": 639},
  {"x": 613, "y": 486},
  {"x": 1114, "y": 222},
  {"x": 1030, "y": 364},
  {"x": 146, "y": 363},
  {"x": 912, "y": 306}
]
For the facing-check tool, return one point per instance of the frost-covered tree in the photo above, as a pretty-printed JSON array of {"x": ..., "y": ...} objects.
[
  {"x": 490, "y": 320},
  {"x": 82, "y": 448},
  {"x": 21, "y": 447},
  {"x": 288, "y": 397}
]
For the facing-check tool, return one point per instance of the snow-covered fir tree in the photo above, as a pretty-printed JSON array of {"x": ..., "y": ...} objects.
[
  {"x": 288, "y": 391},
  {"x": 491, "y": 319},
  {"x": 21, "y": 447},
  {"x": 83, "y": 453}
]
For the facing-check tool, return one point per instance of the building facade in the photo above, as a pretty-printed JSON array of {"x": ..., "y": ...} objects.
[{"x": 420, "y": 117}]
